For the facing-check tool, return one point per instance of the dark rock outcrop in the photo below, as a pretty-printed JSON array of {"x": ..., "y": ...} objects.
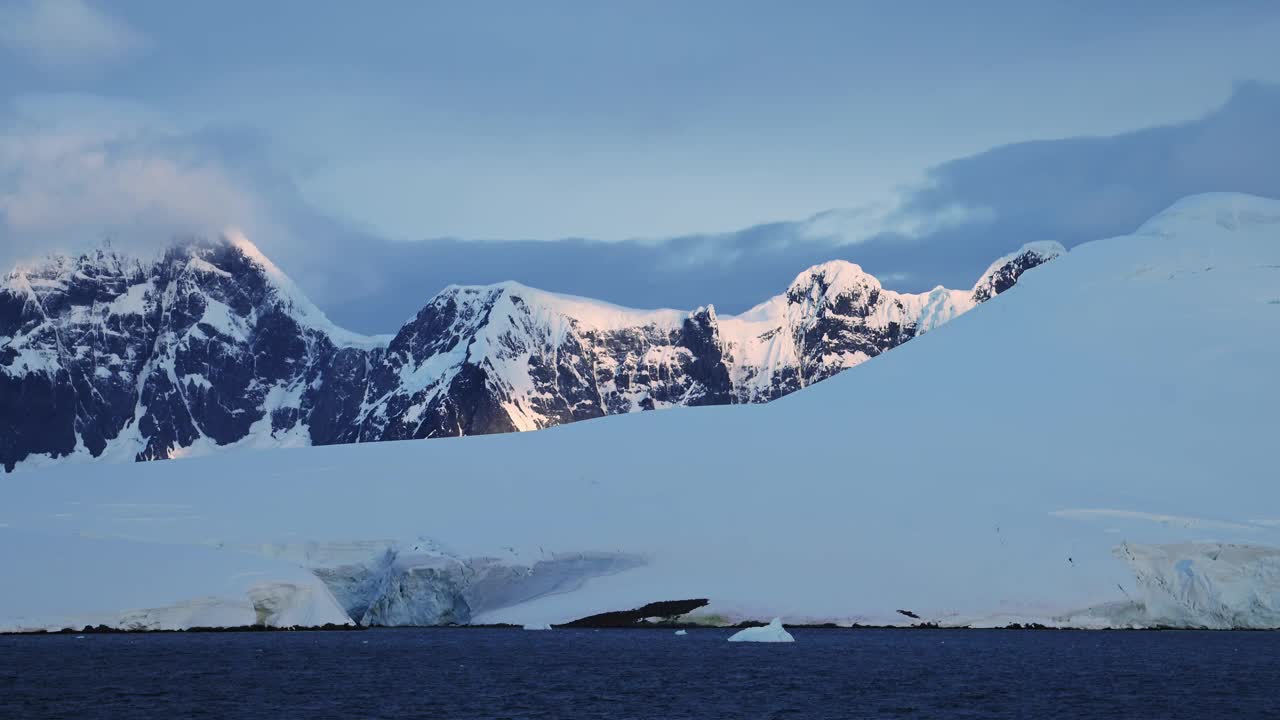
[{"x": 666, "y": 611}]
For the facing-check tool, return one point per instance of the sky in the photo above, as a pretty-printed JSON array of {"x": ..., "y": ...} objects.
[{"x": 651, "y": 154}]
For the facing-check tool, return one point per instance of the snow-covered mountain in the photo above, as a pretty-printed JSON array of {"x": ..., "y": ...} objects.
[
  {"x": 1094, "y": 448},
  {"x": 209, "y": 345},
  {"x": 212, "y": 345}
]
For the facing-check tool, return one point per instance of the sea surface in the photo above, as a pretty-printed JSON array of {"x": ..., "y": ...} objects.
[{"x": 494, "y": 673}]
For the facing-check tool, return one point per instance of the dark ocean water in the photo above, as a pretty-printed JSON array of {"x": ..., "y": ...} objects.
[{"x": 643, "y": 674}]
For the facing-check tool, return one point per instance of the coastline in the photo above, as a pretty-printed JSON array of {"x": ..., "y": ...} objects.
[{"x": 1036, "y": 627}]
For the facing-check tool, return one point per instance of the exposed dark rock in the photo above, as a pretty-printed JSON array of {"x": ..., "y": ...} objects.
[{"x": 667, "y": 610}]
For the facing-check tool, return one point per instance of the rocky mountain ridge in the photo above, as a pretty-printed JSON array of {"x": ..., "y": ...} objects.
[{"x": 211, "y": 345}]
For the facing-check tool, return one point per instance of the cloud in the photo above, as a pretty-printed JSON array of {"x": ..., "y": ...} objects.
[
  {"x": 847, "y": 227},
  {"x": 1079, "y": 189},
  {"x": 1179, "y": 521},
  {"x": 69, "y": 183},
  {"x": 971, "y": 211},
  {"x": 74, "y": 169},
  {"x": 58, "y": 34}
]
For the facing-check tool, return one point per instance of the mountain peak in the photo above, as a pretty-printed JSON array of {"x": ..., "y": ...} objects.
[
  {"x": 1005, "y": 271},
  {"x": 832, "y": 278},
  {"x": 1225, "y": 210},
  {"x": 588, "y": 312},
  {"x": 237, "y": 239},
  {"x": 60, "y": 272},
  {"x": 292, "y": 297}
]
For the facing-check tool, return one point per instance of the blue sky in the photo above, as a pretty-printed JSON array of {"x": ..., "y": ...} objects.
[{"x": 347, "y": 140}]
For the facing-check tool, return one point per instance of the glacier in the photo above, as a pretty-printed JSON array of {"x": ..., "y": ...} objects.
[
  {"x": 423, "y": 583},
  {"x": 1092, "y": 448},
  {"x": 70, "y": 581},
  {"x": 1212, "y": 585}
]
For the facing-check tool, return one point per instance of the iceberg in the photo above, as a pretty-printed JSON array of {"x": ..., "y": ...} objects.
[
  {"x": 682, "y": 632},
  {"x": 537, "y": 626},
  {"x": 771, "y": 633}
]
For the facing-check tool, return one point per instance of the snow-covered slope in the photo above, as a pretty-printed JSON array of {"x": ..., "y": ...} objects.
[
  {"x": 213, "y": 346},
  {"x": 1124, "y": 395}
]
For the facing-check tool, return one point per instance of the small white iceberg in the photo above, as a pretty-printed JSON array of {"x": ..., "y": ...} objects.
[
  {"x": 537, "y": 626},
  {"x": 773, "y": 632},
  {"x": 682, "y": 632}
]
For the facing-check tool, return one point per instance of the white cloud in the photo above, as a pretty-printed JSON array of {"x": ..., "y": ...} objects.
[
  {"x": 61, "y": 34},
  {"x": 71, "y": 180},
  {"x": 855, "y": 225},
  {"x": 1181, "y": 521},
  {"x": 77, "y": 169}
]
